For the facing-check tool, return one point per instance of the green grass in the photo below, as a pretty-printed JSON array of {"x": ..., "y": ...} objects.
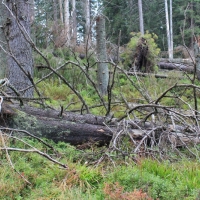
[{"x": 179, "y": 180}]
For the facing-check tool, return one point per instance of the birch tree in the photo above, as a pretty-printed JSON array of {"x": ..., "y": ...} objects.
[
  {"x": 169, "y": 29},
  {"x": 141, "y": 17}
]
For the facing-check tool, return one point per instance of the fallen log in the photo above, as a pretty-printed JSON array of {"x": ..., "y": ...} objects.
[
  {"x": 130, "y": 73},
  {"x": 177, "y": 60},
  {"x": 175, "y": 66},
  {"x": 70, "y": 128},
  {"x": 78, "y": 129}
]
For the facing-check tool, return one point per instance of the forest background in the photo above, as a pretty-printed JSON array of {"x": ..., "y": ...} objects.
[{"x": 64, "y": 58}]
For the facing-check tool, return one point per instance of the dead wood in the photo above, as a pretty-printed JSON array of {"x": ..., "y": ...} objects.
[
  {"x": 140, "y": 56},
  {"x": 175, "y": 66},
  {"x": 130, "y": 73},
  {"x": 188, "y": 61},
  {"x": 77, "y": 129},
  {"x": 71, "y": 128}
]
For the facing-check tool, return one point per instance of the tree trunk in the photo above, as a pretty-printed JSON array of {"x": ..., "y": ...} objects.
[
  {"x": 141, "y": 17},
  {"x": 32, "y": 11},
  {"x": 74, "y": 24},
  {"x": 20, "y": 62},
  {"x": 78, "y": 129},
  {"x": 61, "y": 11},
  {"x": 197, "y": 59},
  {"x": 71, "y": 128},
  {"x": 171, "y": 29},
  {"x": 66, "y": 22},
  {"x": 102, "y": 70},
  {"x": 192, "y": 27},
  {"x": 168, "y": 31},
  {"x": 87, "y": 22},
  {"x": 175, "y": 66},
  {"x": 3, "y": 61},
  {"x": 55, "y": 11}
]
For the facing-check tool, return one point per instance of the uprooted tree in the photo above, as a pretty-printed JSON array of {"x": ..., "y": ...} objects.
[{"x": 141, "y": 52}]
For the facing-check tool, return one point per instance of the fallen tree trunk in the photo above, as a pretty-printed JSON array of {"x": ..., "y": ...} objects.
[
  {"x": 174, "y": 66},
  {"x": 77, "y": 129},
  {"x": 146, "y": 74},
  {"x": 71, "y": 128},
  {"x": 188, "y": 62}
]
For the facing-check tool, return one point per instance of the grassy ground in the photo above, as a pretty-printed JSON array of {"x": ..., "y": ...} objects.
[{"x": 144, "y": 179}]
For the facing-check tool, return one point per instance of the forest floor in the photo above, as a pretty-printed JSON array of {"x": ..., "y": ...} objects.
[
  {"x": 97, "y": 173},
  {"x": 117, "y": 178}
]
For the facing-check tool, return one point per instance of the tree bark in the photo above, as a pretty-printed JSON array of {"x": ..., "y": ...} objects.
[
  {"x": 141, "y": 17},
  {"x": 32, "y": 11},
  {"x": 102, "y": 70},
  {"x": 3, "y": 60},
  {"x": 78, "y": 129},
  {"x": 20, "y": 62},
  {"x": 71, "y": 128},
  {"x": 66, "y": 21},
  {"x": 74, "y": 24},
  {"x": 61, "y": 11},
  {"x": 174, "y": 66},
  {"x": 168, "y": 30},
  {"x": 55, "y": 11},
  {"x": 87, "y": 22},
  {"x": 171, "y": 28},
  {"x": 192, "y": 26},
  {"x": 197, "y": 59}
]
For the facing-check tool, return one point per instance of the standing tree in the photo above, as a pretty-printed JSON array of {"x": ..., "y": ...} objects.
[
  {"x": 168, "y": 31},
  {"x": 74, "y": 23},
  {"x": 87, "y": 21},
  {"x": 61, "y": 11},
  {"x": 102, "y": 71},
  {"x": 171, "y": 28},
  {"x": 66, "y": 21},
  {"x": 141, "y": 17},
  {"x": 55, "y": 11},
  {"x": 17, "y": 31}
]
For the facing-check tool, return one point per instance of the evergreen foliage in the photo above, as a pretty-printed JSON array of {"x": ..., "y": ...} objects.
[{"x": 123, "y": 15}]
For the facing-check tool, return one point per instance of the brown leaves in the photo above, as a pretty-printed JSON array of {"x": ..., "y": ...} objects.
[{"x": 116, "y": 192}]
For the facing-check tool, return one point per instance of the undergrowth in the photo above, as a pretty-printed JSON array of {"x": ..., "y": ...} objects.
[{"x": 147, "y": 179}]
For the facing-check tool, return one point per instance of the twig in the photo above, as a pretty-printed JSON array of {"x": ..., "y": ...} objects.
[
  {"x": 35, "y": 151},
  {"x": 29, "y": 134}
]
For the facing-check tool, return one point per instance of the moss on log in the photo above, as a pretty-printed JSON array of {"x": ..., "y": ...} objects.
[{"x": 71, "y": 128}]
